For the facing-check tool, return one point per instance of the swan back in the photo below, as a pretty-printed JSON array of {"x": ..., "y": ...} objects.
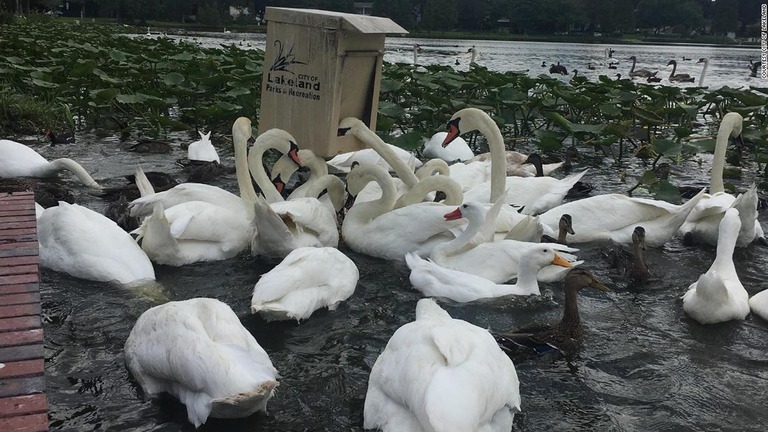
[
  {"x": 198, "y": 351},
  {"x": 439, "y": 373},
  {"x": 85, "y": 244},
  {"x": 457, "y": 150}
]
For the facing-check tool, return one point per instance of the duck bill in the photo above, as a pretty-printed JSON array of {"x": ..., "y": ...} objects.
[
  {"x": 560, "y": 261},
  {"x": 598, "y": 286},
  {"x": 456, "y": 214}
]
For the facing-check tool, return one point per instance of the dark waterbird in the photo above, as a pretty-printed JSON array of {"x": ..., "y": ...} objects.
[
  {"x": 46, "y": 194},
  {"x": 558, "y": 69},
  {"x": 59, "y": 138},
  {"x": 160, "y": 182},
  {"x": 564, "y": 338},
  {"x": 565, "y": 227},
  {"x": 579, "y": 189},
  {"x": 632, "y": 263}
]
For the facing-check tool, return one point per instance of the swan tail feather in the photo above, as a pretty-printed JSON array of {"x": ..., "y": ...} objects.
[{"x": 143, "y": 183}]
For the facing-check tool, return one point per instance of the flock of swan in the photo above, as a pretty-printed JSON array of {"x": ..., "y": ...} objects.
[{"x": 436, "y": 373}]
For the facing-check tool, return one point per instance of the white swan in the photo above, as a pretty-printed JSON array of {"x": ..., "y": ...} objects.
[
  {"x": 535, "y": 194},
  {"x": 203, "y": 149},
  {"x": 613, "y": 217},
  {"x": 496, "y": 261},
  {"x": 718, "y": 295},
  {"x": 198, "y": 351},
  {"x": 434, "y": 280},
  {"x": 86, "y": 244},
  {"x": 18, "y": 160},
  {"x": 457, "y": 150},
  {"x": 193, "y": 231},
  {"x": 307, "y": 279},
  {"x": 241, "y": 134},
  {"x": 441, "y": 374},
  {"x": 758, "y": 304},
  {"x": 702, "y": 224},
  {"x": 419, "y": 192},
  {"x": 703, "y": 70},
  {"x": 283, "y": 226},
  {"x": 374, "y": 229}
]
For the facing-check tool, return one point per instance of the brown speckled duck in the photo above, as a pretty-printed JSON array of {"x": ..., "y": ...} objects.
[{"x": 566, "y": 336}]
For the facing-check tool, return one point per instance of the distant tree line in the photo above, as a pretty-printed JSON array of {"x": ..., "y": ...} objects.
[{"x": 515, "y": 16}]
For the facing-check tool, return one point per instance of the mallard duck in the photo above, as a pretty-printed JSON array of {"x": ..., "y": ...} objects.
[
  {"x": 119, "y": 212},
  {"x": 441, "y": 374},
  {"x": 46, "y": 194},
  {"x": 718, "y": 295},
  {"x": 566, "y": 336},
  {"x": 207, "y": 171},
  {"x": 632, "y": 263},
  {"x": 565, "y": 227}
]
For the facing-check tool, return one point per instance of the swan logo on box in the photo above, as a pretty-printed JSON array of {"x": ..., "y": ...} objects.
[{"x": 282, "y": 80}]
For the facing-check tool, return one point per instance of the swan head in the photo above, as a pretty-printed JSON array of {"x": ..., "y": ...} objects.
[
  {"x": 736, "y": 122},
  {"x": 347, "y": 124},
  {"x": 730, "y": 225},
  {"x": 703, "y": 60},
  {"x": 470, "y": 210},
  {"x": 456, "y": 127},
  {"x": 672, "y": 62},
  {"x": 638, "y": 237},
  {"x": 281, "y": 141},
  {"x": 579, "y": 278}
]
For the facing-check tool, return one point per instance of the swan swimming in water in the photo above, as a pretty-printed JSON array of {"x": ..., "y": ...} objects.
[
  {"x": 198, "y": 351},
  {"x": 438, "y": 373},
  {"x": 18, "y": 160}
]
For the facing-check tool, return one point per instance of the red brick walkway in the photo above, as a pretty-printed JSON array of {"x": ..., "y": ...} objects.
[{"x": 23, "y": 405}]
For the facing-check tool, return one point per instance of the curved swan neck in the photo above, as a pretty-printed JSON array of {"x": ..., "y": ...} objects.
[
  {"x": 418, "y": 193},
  {"x": 484, "y": 124},
  {"x": 330, "y": 183},
  {"x": 76, "y": 169},
  {"x": 703, "y": 73},
  {"x": 371, "y": 209},
  {"x": 674, "y": 68},
  {"x": 634, "y": 62},
  {"x": 457, "y": 244},
  {"x": 369, "y": 137},
  {"x": 256, "y": 168},
  {"x": 432, "y": 167},
  {"x": 728, "y": 234},
  {"x": 721, "y": 145},
  {"x": 241, "y": 131}
]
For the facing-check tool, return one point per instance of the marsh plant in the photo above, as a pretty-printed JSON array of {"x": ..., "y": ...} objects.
[{"x": 93, "y": 77}]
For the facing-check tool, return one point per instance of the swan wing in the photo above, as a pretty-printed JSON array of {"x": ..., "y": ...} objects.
[
  {"x": 436, "y": 281},
  {"x": 306, "y": 280}
]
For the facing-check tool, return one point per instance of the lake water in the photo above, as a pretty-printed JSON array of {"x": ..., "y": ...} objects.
[
  {"x": 727, "y": 66},
  {"x": 645, "y": 366}
]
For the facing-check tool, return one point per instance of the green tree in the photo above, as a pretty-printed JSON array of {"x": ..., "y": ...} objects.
[
  {"x": 440, "y": 15},
  {"x": 725, "y": 16},
  {"x": 400, "y": 11}
]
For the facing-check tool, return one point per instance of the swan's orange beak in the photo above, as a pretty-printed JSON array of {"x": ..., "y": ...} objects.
[
  {"x": 293, "y": 153},
  {"x": 456, "y": 214},
  {"x": 453, "y": 131},
  {"x": 279, "y": 183},
  {"x": 558, "y": 260}
]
